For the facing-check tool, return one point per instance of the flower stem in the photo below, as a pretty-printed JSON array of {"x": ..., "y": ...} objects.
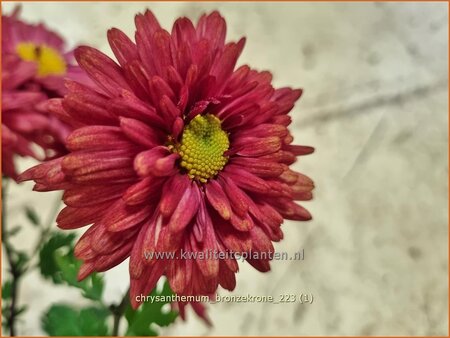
[
  {"x": 12, "y": 263},
  {"x": 118, "y": 311}
]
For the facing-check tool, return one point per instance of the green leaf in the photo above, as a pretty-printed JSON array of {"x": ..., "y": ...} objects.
[
  {"x": 47, "y": 261},
  {"x": 94, "y": 289},
  {"x": 140, "y": 321},
  {"x": 57, "y": 261},
  {"x": 6, "y": 290},
  {"x": 92, "y": 286},
  {"x": 32, "y": 216},
  {"x": 92, "y": 320},
  {"x": 62, "y": 320}
]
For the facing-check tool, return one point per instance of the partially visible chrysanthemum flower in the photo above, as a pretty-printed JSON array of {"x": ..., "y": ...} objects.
[
  {"x": 33, "y": 70},
  {"x": 176, "y": 151}
]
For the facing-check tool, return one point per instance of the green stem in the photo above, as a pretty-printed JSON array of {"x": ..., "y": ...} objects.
[
  {"x": 13, "y": 268},
  {"x": 46, "y": 230},
  {"x": 11, "y": 254},
  {"x": 118, "y": 311}
]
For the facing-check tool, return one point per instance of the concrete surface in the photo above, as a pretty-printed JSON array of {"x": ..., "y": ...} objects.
[{"x": 376, "y": 109}]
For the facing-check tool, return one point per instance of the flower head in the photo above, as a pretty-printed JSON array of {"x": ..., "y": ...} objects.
[
  {"x": 33, "y": 70},
  {"x": 175, "y": 151}
]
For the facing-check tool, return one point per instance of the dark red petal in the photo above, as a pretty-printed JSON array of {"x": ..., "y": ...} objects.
[
  {"x": 121, "y": 216},
  {"x": 227, "y": 279},
  {"x": 100, "y": 68},
  {"x": 280, "y": 156},
  {"x": 158, "y": 161},
  {"x": 241, "y": 223},
  {"x": 176, "y": 275},
  {"x": 233, "y": 240},
  {"x": 146, "y": 283},
  {"x": 146, "y": 24},
  {"x": 55, "y": 107},
  {"x": 143, "y": 191},
  {"x": 83, "y": 196},
  {"x": 113, "y": 258},
  {"x": 264, "y": 130},
  {"x": 128, "y": 105},
  {"x": 39, "y": 171},
  {"x": 84, "y": 162},
  {"x": 161, "y": 51},
  {"x": 121, "y": 175},
  {"x": 186, "y": 209},
  {"x": 137, "y": 256},
  {"x": 85, "y": 270},
  {"x": 291, "y": 210},
  {"x": 259, "y": 167},
  {"x": 218, "y": 199},
  {"x": 138, "y": 78},
  {"x": 121, "y": 45},
  {"x": 299, "y": 150},
  {"x": 236, "y": 196},
  {"x": 139, "y": 132},
  {"x": 245, "y": 179},
  {"x": 168, "y": 109},
  {"x": 285, "y": 98},
  {"x": 213, "y": 28},
  {"x": 183, "y": 31},
  {"x": 172, "y": 192},
  {"x": 255, "y": 147},
  {"x": 158, "y": 88},
  {"x": 97, "y": 137},
  {"x": 209, "y": 266},
  {"x": 83, "y": 248},
  {"x": 224, "y": 65},
  {"x": 87, "y": 106},
  {"x": 73, "y": 218}
]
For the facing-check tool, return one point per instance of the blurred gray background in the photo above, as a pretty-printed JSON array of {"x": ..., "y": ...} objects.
[{"x": 375, "y": 107}]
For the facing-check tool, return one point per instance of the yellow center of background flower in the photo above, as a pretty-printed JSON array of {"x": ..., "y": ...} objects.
[
  {"x": 49, "y": 60},
  {"x": 202, "y": 146}
]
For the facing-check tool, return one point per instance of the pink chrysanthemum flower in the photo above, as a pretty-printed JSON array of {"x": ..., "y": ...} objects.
[
  {"x": 175, "y": 150},
  {"x": 33, "y": 70}
]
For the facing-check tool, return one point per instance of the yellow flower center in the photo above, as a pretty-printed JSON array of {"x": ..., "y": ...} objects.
[
  {"x": 202, "y": 146},
  {"x": 49, "y": 60}
]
